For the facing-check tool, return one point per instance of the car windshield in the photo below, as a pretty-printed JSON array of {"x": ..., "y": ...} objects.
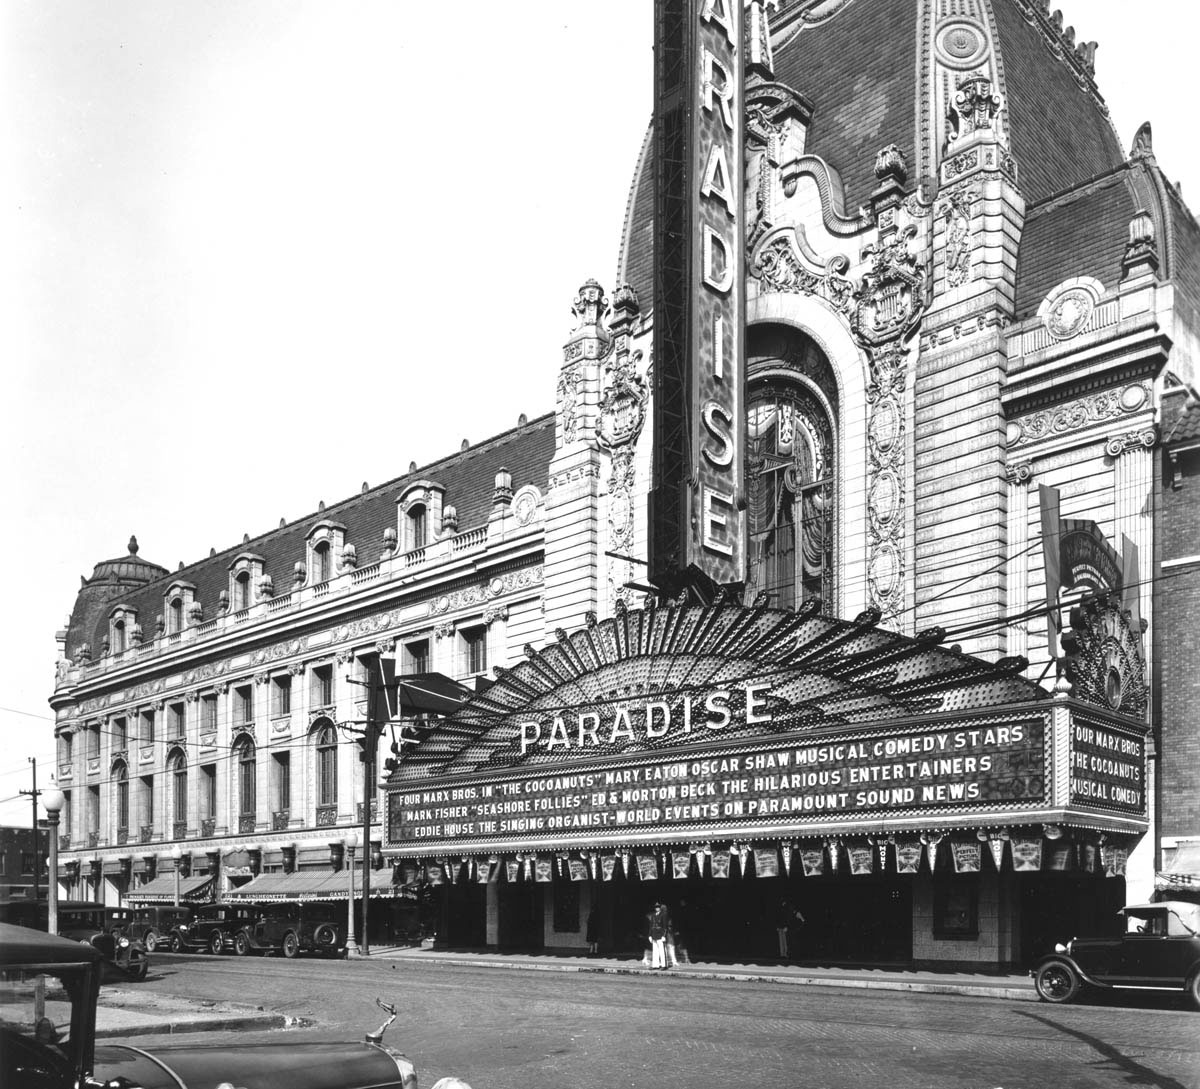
[
  {"x": 79, "y": 920},
  {"x": 35, "y": 1025}
]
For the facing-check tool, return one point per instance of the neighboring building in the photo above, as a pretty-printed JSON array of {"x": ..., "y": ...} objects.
[
  {"x": 958, "y": 288},
  {"x": 21, "y": 858}
]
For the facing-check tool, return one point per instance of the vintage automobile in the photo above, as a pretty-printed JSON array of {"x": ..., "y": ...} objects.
[
  {"x": 152, "y": 925},
  {"x": 1160, "y": 951},
  {"x": 48, "y": 994},
  {"x": 292, "y": 928},
  {"x": 211, "y": 928},
  {"x": 85, "y": 921}
]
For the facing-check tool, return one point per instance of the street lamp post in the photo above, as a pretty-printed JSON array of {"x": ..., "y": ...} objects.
[
  {"x": 177, "y": 855},
  {"x": 351, "y": 842},
  {"x": 52, "y": 802}
]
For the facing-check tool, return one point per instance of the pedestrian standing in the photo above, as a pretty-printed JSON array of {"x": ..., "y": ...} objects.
[
  {"x": 658, "y": 922},
  {"x": 783, "y": 923},
  {"x": 593, "y": 932}
]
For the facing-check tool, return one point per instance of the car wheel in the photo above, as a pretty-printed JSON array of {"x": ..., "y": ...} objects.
[
  {"x": 151, "y": 940},
  {"x": 325, "y": 935},
  {"x": 291, "y": 945},
  {"x": 176, "y": 944},
  {"x": 216, "y": 944},
  {"x": 1194, "y": 989},
  {"x": 141, "y": 970},
  {"x": 241, "y": 943},
  {"x": 1056, "y": 981}
]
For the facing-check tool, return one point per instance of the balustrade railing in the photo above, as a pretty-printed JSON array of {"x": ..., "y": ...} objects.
[
  {"x": 473, "y": 538},
  {"x": 366, "y": 574}
]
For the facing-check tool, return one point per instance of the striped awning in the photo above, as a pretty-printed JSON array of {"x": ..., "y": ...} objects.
[
  {"x": 1183, "y": 874},
  {"x": 162, "y": 890},
  {"x": 313, "y": 885}
]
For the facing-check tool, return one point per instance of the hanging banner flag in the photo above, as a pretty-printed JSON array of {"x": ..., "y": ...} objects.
[
  {"x": 931, "y": 851},
  {"x": 882, "y": 846},
  {"x": 529, "y": 862},
  {"x": 908, "y": 855},
  {"x": 860, "y": 858},
  {"x": 681, "y": 864},
  {"x": 834, "y": 847},
  {"x": 766, "y": 862},
  {"x": 1048, "y": 499},
  {"x": 577, "y": 868},
  {"x": 720, "y": 862},
  {"x": 454, "y": 871},
  {"x": 967, "y": 855},
  {"x": 592, "y": 864},
  {"x": 1060, "y": 855},
  {"x": 625, "y": 865},
  {"x": 1027, "y": 855},
  {"x": 813, "y": 860},
  {"x": 647, "y": 867},
  {"x": 743, "y": 854},
  {"x": 996, "y": 844},
  {"x": 543, "y": 869},
  {"x": 786, "y": 851},
  {"x": 435, "y": 873},
  {"x": 1114, "y": 859},
  {"x": 1087, "y": 857},
  {"x": 607, "y": 865},
  {"x": 512, "y": 869},
  {"x": 409, "y": 874},
  {"x": 1132, "y": 578}
]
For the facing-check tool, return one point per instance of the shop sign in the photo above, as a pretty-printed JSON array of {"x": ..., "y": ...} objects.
[
  {"x": 940, "y": 770},
  {"x": 1107, "y": 768}
]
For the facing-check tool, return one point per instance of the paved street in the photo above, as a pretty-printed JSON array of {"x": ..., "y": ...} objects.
[{"x": 503, "y": 1029}]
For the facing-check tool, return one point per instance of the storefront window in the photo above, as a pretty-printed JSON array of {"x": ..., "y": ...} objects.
[{"x": 956, "y": 907}]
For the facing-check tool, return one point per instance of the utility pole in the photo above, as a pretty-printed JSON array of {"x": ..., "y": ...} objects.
[{"x": 33, "y": 797}]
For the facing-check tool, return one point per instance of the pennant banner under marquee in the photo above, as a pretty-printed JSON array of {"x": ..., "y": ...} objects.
[
  {"x": 435, "y": 873},
  {"x": 813, "y": 860},
  {"x": 1027, "y": 855},
  {"x": 1060, "y": 855},
  {"x": 607, "y": 865},
  {"x": 1114, "y": 859},
  {"x": 512, "y": 869},
  {"x": 720, "y": 863},
  {"x": 967, "y": 855},
  {"x": 647, "y": 867},
  {"x": 860, "y": 858},
  {"x": 996, "y": 846},
  {"x": 786, "y": 851},
  {"x": 766, "y": 862},
  {"x": 743, "y": 854},
  {"x": 577, "y": 868},
  {"x": 1087, "y": 857},
  {"x": 908, "y": 856},
  {"x": 681, "y": 864},
  {"x": 454, "y": 871},
  {"x": 543, "y": 869}
]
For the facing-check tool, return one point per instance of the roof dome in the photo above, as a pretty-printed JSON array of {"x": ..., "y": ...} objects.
[{"x": 130, "y": 570}]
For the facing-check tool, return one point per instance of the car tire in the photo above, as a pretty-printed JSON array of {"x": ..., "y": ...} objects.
[
  {"x": 151, "y": 941},
  {"x": 142, "y": 969},
  {"x": 1056, "y": 981},
  {"x": 1194, "y": 989},
  {"x": 176, "y": 945},
  {"x": 216, "y": 943},
  {"x": 241, "y": 943},
  {"x": 291, "y": 945},
  {"x": 325, "y": 935}
]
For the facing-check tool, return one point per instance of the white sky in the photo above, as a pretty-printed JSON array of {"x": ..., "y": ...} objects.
[{"x": 258, "y": 253}]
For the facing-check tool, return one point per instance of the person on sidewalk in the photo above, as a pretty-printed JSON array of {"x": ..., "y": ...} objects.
[
  {"x": 593, "y": 932},
  {"x": 658, "y": 922},
  {"x": 787, "y": 917}
]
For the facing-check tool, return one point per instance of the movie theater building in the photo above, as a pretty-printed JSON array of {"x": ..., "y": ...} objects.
[{"x": 891, "y": 371}]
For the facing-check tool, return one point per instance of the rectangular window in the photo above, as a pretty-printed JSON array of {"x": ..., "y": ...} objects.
[
  {"x": 283, "y": 694},
  {"x": 120, "y": 735},
  {"x": 208, "y": 712},
  {"x": 208, "y": 791},
  {"x": 178, "y": 718},
  {"x": 64, "y": 820},
  {"x": 322, "y": 691},
  {"x": 147, "y": 727},
  {"x": 245, "y": 703},
  {"x": 26, "y": 866},
  {"x": 93, "y": 809},
  {"x": 475, "y": 650},
  {"x": 956, "y": 907},
  {"x": 146, "y": 819},
  {"x": 283, "y": 781},
  {"x": 93, "y": 740},
  {"x": 416, "y": 656}
]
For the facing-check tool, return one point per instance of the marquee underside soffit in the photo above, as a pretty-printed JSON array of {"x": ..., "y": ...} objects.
[{"x": 643, "y": 680}]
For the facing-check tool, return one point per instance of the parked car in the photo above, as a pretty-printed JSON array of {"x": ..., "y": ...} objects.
[
  {"x": 1160, "y": 950},
  {"x": 211, "y": 928},
  {"x": 292, "y": 928},
  {"x": 84, "y": 921},
  {"x": 153, "y": 924},
  {"x": 48, "y": 995}
]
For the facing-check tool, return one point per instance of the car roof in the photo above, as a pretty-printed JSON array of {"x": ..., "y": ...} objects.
[
  {"x": 20, "y": 945},
  {"x": 1183, "y": 907}
]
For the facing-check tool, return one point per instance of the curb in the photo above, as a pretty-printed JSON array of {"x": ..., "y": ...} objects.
[
  {"x": 215, "y": 1024},
  {"x": 972, "y": 990}
]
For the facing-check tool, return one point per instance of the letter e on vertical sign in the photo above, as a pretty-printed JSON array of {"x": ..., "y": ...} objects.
[{"x": 716, "y": 541}]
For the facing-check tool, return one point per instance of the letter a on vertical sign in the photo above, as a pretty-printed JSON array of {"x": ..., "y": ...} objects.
[{"x": 716, "y": 538}]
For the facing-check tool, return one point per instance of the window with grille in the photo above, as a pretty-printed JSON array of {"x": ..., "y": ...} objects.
[
  {"x": 241, "y": 591},
  {"x": 121, "y": 779},
  {"x": 416, "y": 527},
  {"x": 416, "y": 656},
  {"x": 322, "y": 562},
  {"x": 245, "y": 756},
  {"x": 177, "y": 766},
  {"x": 475, "y": 650},
  {"x": 326, "y": 744}
]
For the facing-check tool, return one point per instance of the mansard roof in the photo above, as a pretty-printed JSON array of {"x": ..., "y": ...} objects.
[{"x": 467, "y": 476}]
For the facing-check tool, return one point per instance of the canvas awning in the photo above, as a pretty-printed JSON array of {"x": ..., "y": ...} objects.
[
  {"x": 430, "y": 693},
  {"x": 1183, "y": 874},
  {"x": 162, "y": 890},
  {"x": 313, "y": 885}
]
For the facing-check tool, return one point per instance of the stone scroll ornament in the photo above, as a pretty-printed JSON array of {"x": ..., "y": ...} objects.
[
  {"x": 1104, "y": 659},
  {"x": 621, "y": 419}
]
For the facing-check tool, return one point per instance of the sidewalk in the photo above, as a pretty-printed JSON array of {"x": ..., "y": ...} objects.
[
  {"x": 140, "y": 1013},
  {"x": 1011, "y": 987}
]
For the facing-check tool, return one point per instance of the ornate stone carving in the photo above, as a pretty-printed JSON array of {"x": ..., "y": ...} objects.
[
  {"x": 296, "y": 669},
  {"x": 344, "y": 656},
  {"x": 955, "y": 211},
  {"x": 1145, "y": 439},
  {"x": 495, "y": 612},
  {"x": 278, "y": 650},
  {"x": 1077, "y": 415},
  {"x": 1021, "y": 473},
  {"x": 443, "y": 630},
  {"x": 1105, "y": 663},
  {"x": 974, "y": 107},
  {"x": 385, "y": 646},
  {"x": 483, "y": 592},
  {"x": 1069, "y": 313},
  {"x": 526, "y": 503},
  {"x": 783, "y": 262},
  {"x": 891, "y": 163}
]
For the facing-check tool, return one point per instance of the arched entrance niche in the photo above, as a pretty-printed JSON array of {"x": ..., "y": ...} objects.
[{"x": 799, "y": 350}]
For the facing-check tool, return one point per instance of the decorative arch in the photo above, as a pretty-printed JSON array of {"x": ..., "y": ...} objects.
[
  {"x": 244, "y": 754},
  {"x": 178, "y": 772},
  {"x": 324, "y": 740}
]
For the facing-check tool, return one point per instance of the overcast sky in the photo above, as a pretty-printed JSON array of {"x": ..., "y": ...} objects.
[{"x": 257, "y": 253}]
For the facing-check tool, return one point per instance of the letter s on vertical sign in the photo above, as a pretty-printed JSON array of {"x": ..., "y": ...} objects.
[{"x": 718, "y": 422}]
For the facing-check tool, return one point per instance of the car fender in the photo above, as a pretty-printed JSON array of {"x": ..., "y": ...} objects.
[{"x": 1066, "y": 958}]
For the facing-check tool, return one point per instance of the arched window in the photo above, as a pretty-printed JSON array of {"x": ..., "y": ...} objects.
[
  {"x": 416, "y": 526},
  {"x": 175, "y": 615},
  {"x": 244, "y": 755},
  {"x": 118, "y": 639},
  {"x": 322, "y": 565},
  {"x": 177, "y": 766},
  {"x": 791, "y": 439},
  {"x": 326, "y": 744},
  {"x": 241, "y": 591},
  {"x": 120, "y": 776}
]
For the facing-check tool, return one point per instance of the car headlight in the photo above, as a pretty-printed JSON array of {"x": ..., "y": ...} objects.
[
  {"x": 124, "y": 943},
  {"x": 1059, "y": 947}
]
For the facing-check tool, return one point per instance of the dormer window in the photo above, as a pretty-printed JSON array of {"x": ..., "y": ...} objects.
[
  {"x": 416, "y": 525},
  {"x": 118, "y": 637},
  {"x": 326, "y": 542},
  {"x": 178, "y": 602},
  {"x": 123, "y": 631},
  {"x": 322, "y": 563},
  {"x": 175, "y": 616},
  {"x": 244, "y": 574},
  {"x": 420, "y": 515},
  {"x": 241, "y": 592}
]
